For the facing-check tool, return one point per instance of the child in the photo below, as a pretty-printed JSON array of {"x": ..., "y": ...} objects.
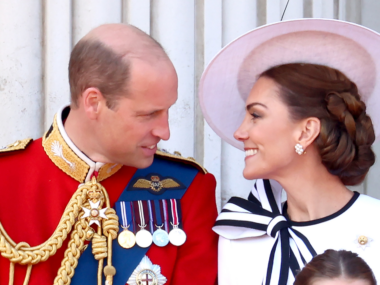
[{"x": 336, "y": 268}]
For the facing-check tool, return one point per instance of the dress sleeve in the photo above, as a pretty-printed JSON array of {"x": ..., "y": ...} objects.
[{"x": 196, "y": 261}]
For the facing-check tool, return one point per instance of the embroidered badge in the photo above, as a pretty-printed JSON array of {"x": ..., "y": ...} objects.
[
  {"x": 155, "y": 184},
  {"x": 56, "y": 148},
  {"x": 147, "y": 273}
]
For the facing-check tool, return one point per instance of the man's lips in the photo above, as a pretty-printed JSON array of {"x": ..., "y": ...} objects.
[{"x": 150, "y": 146}]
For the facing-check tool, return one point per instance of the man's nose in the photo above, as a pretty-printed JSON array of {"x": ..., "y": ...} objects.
[{"x": 161, "y": 129}]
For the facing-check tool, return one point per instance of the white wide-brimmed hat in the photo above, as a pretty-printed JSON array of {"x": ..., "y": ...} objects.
[{"x": 228, "y": 79}]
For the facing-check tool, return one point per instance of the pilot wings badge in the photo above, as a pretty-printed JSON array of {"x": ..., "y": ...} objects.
[{"x": 155, "y": 184}]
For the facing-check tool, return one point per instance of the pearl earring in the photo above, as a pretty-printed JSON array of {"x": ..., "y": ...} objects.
[{"x": 299, "y": 149}]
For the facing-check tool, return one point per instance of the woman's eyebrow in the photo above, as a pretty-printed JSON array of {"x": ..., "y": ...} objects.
[{"x": 254, "y": 104}]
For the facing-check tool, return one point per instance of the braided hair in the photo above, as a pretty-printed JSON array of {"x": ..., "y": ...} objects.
[{"x": 347, "y": 133}]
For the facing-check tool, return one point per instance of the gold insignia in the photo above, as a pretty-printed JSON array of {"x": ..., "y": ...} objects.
[
  {"x": 68, "y": 161},
  {"x": 155, "y": 184},
  {"x": 63, "y": 156},
  {"x": 108, "y": 170},
  {"x": 177, "y": 156},
  {"x": 17, "y": 145},
  {"x": 169, "y": 183}
]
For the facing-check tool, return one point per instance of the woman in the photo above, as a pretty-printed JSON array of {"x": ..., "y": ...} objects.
[
  {"x": 336, "y": 268},
  {"x": 305, "y": 129}
]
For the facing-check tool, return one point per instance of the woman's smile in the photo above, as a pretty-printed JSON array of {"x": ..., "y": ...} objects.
[{"x": 250, "y": 152}]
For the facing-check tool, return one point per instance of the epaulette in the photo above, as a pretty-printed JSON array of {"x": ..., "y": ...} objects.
[
  {"x": 178, "y": 157},
  {"x": 17, "y": 145}
]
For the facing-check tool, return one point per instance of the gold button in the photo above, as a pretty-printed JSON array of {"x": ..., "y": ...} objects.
[
  {"x": 109, "y": 270},
  {"x": 363, "y": 240}
]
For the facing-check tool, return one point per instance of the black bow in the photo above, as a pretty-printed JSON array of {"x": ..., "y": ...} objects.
[{"x": 250, "y": 214}]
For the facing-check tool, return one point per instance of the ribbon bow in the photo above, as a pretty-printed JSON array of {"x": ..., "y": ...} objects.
[{"x": 260, "y": 215}]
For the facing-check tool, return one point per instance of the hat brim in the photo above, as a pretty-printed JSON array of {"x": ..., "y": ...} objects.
[{"x": 228, "y": 79}]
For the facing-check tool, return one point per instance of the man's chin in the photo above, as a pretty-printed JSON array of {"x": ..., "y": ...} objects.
[{"x": 140, "y": 163}]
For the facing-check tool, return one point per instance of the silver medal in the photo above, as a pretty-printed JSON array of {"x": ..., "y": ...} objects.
[
  {"x": 177, "y": 236},
  {"x": 144, "y": 238},
  {"x": 160, "y": 238}
]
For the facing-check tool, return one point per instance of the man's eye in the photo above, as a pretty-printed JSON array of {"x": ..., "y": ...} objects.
[{"x": 150, "y": 114}]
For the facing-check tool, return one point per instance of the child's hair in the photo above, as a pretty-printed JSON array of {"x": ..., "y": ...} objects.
[{"x": 335, "y": 264}]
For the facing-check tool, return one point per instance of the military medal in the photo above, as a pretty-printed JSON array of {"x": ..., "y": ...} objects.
[
  {"x": 94, "y": 214},
  {"x": 177, "y": 236},
  {"x": 160, "y": 237},
  {"x": 143, "y": 237},
  {"x": 126, "y": 238}
]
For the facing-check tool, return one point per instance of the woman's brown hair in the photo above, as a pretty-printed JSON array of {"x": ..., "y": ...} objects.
[
  {"x": 335, "y": 264},
  {"x": 347, "y": 133}
]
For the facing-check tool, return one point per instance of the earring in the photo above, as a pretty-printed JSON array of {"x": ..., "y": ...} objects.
[{"x": 299, "y": 149}]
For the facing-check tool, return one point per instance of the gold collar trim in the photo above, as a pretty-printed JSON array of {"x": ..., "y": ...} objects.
[{"x": 69, "y": 160}]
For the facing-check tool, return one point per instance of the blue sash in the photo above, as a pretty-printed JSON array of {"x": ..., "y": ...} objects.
[{"x": 126, "y": 260}]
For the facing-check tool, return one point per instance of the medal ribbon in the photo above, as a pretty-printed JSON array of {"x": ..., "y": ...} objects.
[
  {"x": 142, "y": 214},
  {"x": 166, "y": 215},
  {"x": 126, "y": 215},
  {"x": 158, "y": 218},
  {"x": 242, "y": 218},
  {"x": 175, "y": 212},
  {"x": 150, "y": 217}
]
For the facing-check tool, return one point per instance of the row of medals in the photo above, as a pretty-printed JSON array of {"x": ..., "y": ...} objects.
[{"x": 144, "y": 238}]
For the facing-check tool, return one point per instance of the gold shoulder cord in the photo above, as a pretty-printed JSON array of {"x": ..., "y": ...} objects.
[
  {"x": 83, "y": 210},
  {"x": 178, "y": 156}
]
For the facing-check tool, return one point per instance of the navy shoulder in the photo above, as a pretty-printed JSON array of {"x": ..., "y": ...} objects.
[
  {"x": 177, "y": 157},
  {"x": 16, "y": 146}
]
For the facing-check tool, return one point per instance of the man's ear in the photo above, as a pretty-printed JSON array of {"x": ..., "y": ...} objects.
[
  {"x": 310, "y": 129},
  {"x": 92, "y": 100}
]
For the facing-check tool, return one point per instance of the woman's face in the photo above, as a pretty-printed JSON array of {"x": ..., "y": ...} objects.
[
  {"x": 268, "y": 133},
  {"x": 341, "y": 281}
]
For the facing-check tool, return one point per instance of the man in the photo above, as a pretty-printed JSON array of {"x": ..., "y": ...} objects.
[{"x": 122, "y": 85}]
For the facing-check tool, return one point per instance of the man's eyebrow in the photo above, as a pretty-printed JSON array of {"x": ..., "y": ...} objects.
[
  {"x": 254, "y": 104},
  {"x": 149, "y": 111}
]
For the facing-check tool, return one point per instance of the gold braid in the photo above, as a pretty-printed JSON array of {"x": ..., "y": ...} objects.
[{"x": 23, "y": 254}]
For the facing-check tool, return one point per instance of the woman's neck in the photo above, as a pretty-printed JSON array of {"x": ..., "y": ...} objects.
[{"x": 313, "y": 193}]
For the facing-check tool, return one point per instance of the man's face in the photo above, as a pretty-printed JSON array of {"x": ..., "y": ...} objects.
[{"x": 129, "y": 133}]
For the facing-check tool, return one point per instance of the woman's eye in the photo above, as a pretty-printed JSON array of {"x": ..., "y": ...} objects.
[{"x": 255, "y": 116}]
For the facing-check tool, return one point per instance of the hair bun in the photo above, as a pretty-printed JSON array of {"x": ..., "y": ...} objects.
[{"x": 353, "y": 153}]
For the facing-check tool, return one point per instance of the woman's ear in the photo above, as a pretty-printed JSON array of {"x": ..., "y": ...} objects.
[{"x": 310, "y": 129}]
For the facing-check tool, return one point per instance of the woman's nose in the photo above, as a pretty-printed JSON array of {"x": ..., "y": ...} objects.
[{"x": 241, "y": 134}]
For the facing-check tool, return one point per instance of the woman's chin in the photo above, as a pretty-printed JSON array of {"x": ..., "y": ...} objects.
[{"x": 250, "y": 175}]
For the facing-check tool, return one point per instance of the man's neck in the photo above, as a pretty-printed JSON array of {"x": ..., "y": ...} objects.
[{"x": 80, "y": 135}]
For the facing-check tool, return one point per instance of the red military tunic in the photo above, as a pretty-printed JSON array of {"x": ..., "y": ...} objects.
[{"x": 36, "y": 186}]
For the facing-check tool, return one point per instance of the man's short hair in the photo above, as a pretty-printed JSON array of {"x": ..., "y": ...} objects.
[{"x": 92, "y": 64}]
